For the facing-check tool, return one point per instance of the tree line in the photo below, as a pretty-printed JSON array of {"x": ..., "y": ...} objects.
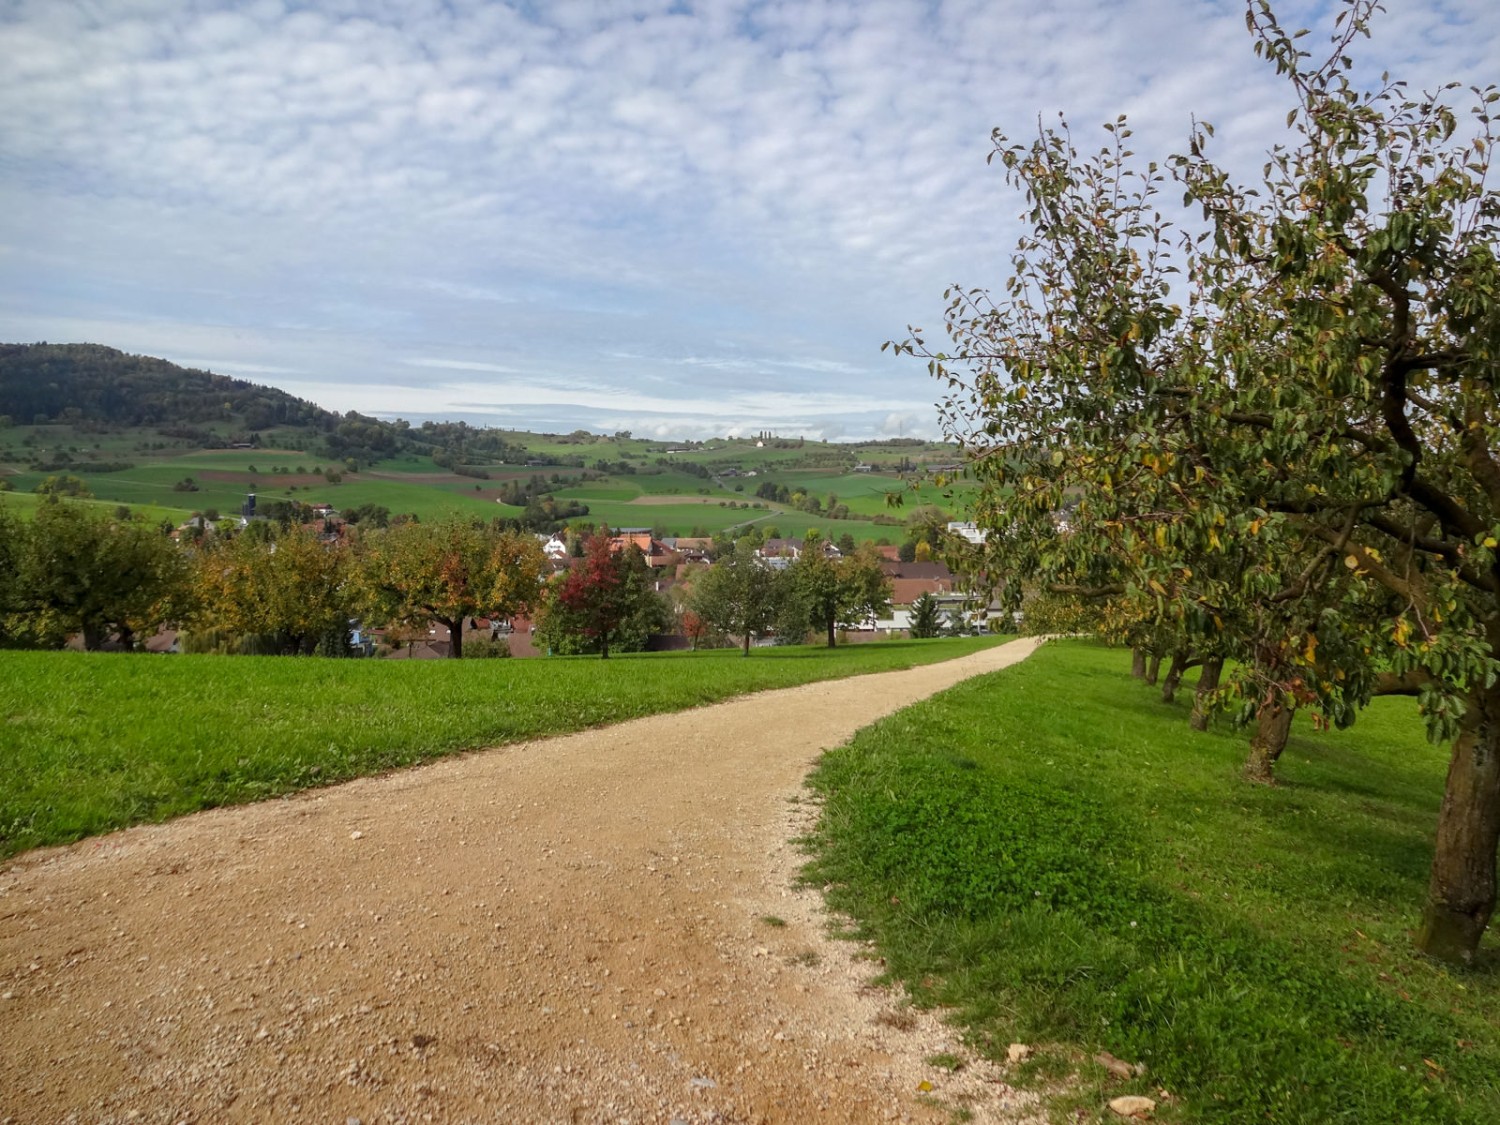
[
  {"x": 287, "y": 587},
  {"x": 1260, "y": 436}
]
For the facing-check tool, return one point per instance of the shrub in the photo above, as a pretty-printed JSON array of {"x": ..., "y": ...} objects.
[{"x": 496, "y": 648}]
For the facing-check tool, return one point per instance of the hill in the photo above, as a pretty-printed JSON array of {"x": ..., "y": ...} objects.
[
  {"x": 98, "y": 390},
  {"x": 43, "y": 383}
]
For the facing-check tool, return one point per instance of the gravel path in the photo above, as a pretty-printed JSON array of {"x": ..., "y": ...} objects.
[{"x": 595, "y": 928}]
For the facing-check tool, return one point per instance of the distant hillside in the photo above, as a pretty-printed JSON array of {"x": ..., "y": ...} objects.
[
  {"x": 68, "y": 382},
  {"x": 97, "y": 388}
]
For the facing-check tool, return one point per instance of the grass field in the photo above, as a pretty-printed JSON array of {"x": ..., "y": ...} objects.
[
  {"x": 93, "y": 742},
  {"x": 655, "y": 496},
  {"x": 1052, "y": 852},
  {"x": 24, "y": 505}
]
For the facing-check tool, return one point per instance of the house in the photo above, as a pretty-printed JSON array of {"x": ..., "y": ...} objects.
[
  {"x": 792, "y": 549},
  {"x": 656, "y": 552},
  {"x": 934, "y": 571},
  {"x": 554, "y": 546},
  {"x": 968, "y": 529},
  {"x": 195, "y": 527},
  {"x": 690, "y": 549},
  {"x": 906, "y": 591}
]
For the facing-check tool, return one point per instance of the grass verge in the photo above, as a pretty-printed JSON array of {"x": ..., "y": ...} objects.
[
  {"x": 1051, "y": 852},
  {"x": 93, "y": 742}
]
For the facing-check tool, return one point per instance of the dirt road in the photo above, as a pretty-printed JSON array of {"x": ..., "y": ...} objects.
[{"x": 593, "y": 928}]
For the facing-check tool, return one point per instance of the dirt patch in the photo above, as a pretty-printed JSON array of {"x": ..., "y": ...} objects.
[{"x": 600, "y": 927}]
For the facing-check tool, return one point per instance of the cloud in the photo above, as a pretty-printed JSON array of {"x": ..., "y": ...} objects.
[
  {"x": 709, "y": 205},
  {"x": 460, "y": 365}
]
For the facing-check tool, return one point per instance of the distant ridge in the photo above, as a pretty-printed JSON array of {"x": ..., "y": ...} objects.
[{"x": 94, "y": 383}]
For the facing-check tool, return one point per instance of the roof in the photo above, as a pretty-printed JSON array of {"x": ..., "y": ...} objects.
[
  {"x": 917, "y": 570},
  {"x": 904, "y": 591}
]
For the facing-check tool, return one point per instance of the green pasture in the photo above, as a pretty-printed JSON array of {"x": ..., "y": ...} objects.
[
  {"x": 153, "y": 474},
  {"x": 47, "y": 441},
  {"x": 408, "y": 463},
  {"x": 241, "y": 460},
  {"x": 866, "y": 493},
  {"x": 152, "y": 484},
  {"x": 93, "y": 742},
  {"x": 429, "y": 502},
  {"x": 24, "y": 505},
  {"x": 1054, "y": 855}
]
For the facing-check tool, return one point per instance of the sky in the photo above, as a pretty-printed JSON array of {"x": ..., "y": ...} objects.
[{"x": 676, "y": 218}]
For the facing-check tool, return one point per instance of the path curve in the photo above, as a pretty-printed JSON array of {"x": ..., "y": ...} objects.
[{"x": 582, "y": 928}]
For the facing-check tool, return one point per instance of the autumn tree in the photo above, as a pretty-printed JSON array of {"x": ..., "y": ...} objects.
[
  {"x": 738, "y": 595},
  {"x": 1276, "y": 419},
  {"x": 605, "y": 603},
  {"x": 414, "y": 573},
  {"x": 80, "y": 571},
  {"x": 824, "y": 593},
  {"x": 275, "y": 591}
]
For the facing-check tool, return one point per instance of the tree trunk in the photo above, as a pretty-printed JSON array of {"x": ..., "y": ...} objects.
[
  {"x": 1273, "y": 724},
  {"x": 94, "y": 637},
  {"x": 747, "y": 644},
  {"x": 1153, "y": 669},
  {"x": 831, "y": 627},
  {"x": 1175, "y": 670},
  {"x": 1461, "y": 893},
  {"x": 455, "y": 638},
  {"x": 1138, "y": 662},
  {"x": 1208, "y": 683}
]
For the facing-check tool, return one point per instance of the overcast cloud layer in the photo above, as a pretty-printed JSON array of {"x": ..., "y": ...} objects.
[{"x": 674, "y": 218}]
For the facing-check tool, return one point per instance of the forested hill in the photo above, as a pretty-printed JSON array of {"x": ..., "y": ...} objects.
[
  {"x": 100, "y": 389},
  {"x": 90, "y": 382}
]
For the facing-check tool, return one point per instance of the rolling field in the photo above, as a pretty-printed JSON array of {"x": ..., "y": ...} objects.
[{"x": 656, "y": 495}]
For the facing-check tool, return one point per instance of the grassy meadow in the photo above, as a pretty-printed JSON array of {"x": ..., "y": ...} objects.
[
  {"x": 665, "y": 496},
  {"x": 91, "y": 742},
  {"x": 1053, "y": 853}
]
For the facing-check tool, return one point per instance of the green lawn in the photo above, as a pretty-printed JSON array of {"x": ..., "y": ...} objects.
[
  {"x": 93, "y": 742},
  {"x": 1052, "y": 852}
]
